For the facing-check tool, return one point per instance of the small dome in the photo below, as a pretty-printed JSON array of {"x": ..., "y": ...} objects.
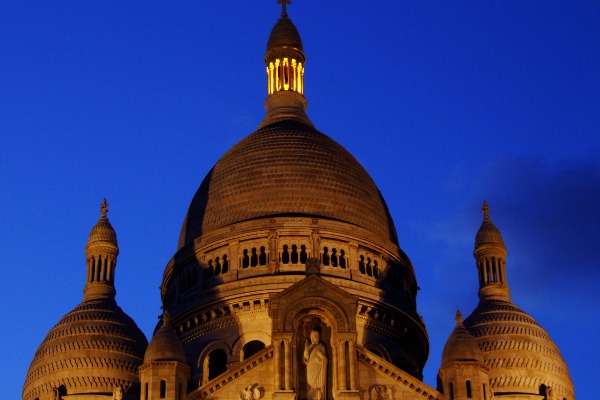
[
  {"x": 103, "y": 233},
  {"x": 165, "y": 345},
  {"x": 461, "y": 345},
  {"x": 93, "y": 349},
  {"x": 284, "y": 33},
  {"x": 488, "y": 233}
]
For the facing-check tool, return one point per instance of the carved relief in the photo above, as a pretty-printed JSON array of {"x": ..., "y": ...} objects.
[
  {"x": 251, "y": 392},
  {"x": 380, "y": 392}
]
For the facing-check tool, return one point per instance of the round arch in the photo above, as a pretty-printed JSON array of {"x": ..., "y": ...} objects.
[
  {"x": 210, "y": 347},
  {"x": 263, "y": 337},
  {"x": 326, "y": 308}
]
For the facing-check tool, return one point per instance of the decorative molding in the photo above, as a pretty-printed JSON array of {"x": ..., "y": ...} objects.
[{"x": 394, "y": 373}]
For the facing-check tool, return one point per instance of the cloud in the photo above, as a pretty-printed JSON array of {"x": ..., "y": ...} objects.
[{"x": 549, "y": 215}]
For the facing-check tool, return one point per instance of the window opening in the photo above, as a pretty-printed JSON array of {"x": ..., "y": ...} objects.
[
  {"x": 262, "y": 258},
  {"x": 285, "y": 256},
  {"x": 254, "y": 258},
  {"x": 334, "y": 257},
  {"x": 325, "y": 256}
]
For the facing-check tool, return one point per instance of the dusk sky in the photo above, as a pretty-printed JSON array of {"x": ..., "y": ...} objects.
[{"x": 445, "y": 104}]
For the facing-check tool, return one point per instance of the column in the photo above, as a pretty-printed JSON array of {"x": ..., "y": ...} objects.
[
  {"x": 352, "y": 358},
  {"x": 288, "y": 364},
  {"x": 342, "y": 364},
  {"x": 277, "y": 356},
  {"x": 205, "y": 369}
]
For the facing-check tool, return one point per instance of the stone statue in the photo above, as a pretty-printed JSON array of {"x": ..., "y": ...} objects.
[{"x": 315, "y": 358}]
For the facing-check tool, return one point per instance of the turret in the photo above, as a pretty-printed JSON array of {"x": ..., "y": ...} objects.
[
  {"x": 165, "y": 373},
  {"x": 284, "y": 61},
  {"x": 463, "y": 374},
  {"x": 101, "y": 256},
  {"x": 490, "y": 256}
]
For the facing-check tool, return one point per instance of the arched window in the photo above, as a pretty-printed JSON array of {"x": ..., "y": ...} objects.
[
  {"x": 225, "y": 263},
  {"x": 342, "y": 259},
  {"x": 254, "y": 258},
  {"x": 361, "y": 264},
  {"x": 303, "y": 254},
  {"x": 325, "y": 256},
  {"x": 334, "y": 257},
  {"x": 469, "y": 393},
  {"x": 294, "y": 254},
  {"x": 163, "y": 389},
  {"x": 262, "y": 258},
  {"x": 285, "y": 256},
  {"x": 543, "y": 390},
  {"x": 451, "y": 390},
  {"x": 217, "y": 363},
  {"x": 251, "y": 348}
]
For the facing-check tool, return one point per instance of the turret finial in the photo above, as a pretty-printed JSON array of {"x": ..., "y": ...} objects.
[
  {"x": 485, "y": 209},
  {"x": 458, "y": 318},
  {"x": 103, "y": 208},
  {"x": 284, "y": 3}
]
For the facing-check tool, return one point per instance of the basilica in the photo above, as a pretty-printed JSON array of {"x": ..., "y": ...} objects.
[{"x": 289, "y": 283}]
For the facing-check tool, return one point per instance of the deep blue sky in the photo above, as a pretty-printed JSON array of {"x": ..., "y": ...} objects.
[{"x": 444, "y": 104}]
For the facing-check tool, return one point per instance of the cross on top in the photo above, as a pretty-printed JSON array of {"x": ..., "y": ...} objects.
[
  {"x": 485, "y": 209},
  {"x": 283, "y": 4},
  {"x": 104, "y": 208}
]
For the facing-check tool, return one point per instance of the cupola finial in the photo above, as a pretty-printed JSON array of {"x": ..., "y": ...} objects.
[
  {"x": 103, "y": 208},
  {"x": 485, "y": 209},
  {"x": 284, "y": 3}
]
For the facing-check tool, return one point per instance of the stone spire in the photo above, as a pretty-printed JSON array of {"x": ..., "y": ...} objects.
[
  {"x": 284, "y": 62},
  {"x": 490, "y": 256},
  {"x": 101, "y": 256}
]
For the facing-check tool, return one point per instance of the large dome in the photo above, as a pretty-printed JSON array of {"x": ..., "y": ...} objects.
[
  {"x": 94, "y": 348},
  {"x": 287, "y": 168}
]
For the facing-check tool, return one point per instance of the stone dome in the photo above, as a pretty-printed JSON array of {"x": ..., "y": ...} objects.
[
  {"x": 488, "y": 234},
  {"x": 103, "y": 233},
  {"x": 287, "y": 169},
  {"x": 519, "y": 352},
  {"x": 461, "y": 345},
  {"x": 94, "y": 348},
  {"x": 165, "y": 345},
  {"x": 284, "y": 33}
]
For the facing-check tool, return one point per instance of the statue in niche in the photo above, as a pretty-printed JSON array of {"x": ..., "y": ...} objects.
[{"x": 315, "y": 358}]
